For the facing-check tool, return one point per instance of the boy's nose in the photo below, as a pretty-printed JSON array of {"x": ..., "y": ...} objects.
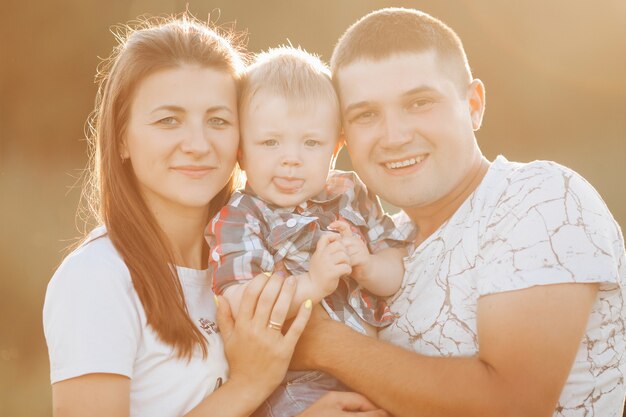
[{"x": 291, "y": 160}]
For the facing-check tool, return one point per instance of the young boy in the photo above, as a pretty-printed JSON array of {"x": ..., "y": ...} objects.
[{"x": 299, "y": 216}]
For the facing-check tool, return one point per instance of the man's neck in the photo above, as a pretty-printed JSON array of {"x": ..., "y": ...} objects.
[{"x": 430, "y": 217}]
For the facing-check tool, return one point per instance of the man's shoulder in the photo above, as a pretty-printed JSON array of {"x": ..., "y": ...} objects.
[{"x": 536, "y": 181}]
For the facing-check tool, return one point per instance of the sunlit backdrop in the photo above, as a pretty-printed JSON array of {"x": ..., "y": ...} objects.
[{"x": 555, "y": 73}]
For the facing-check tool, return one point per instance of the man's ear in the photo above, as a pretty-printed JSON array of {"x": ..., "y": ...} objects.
[{"x": 476, "y": 100}]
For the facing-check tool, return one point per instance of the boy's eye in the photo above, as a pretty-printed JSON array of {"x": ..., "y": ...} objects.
[
  {"x": 270, "y": 142},
  {"x": 311, "y": 143}
]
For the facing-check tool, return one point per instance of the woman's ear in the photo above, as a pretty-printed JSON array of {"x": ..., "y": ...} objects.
[{"x": 124, "y": 154}]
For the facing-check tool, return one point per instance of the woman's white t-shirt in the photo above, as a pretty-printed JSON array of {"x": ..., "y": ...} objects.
[{"x": 94, "y": 322}]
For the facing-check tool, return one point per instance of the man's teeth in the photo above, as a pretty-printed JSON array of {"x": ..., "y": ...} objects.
[{"x": 405, "y": 163}]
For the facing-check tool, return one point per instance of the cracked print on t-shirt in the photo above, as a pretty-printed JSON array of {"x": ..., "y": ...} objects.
[{"x": 525, "y": 225}]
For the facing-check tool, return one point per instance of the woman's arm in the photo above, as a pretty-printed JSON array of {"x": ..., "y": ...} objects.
[
  {"x": 258, "y": 358},
  {"x": 94, "y": 395}
]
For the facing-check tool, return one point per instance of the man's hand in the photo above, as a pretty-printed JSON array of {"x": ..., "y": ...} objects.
[
  {"x": 314, "y": 334},
  {"x": 340, "y": 404}
]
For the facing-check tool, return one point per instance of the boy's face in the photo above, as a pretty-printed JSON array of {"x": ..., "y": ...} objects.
[
  {"x": 287, "y": 148},
  {"x": 409, "y": 126}
]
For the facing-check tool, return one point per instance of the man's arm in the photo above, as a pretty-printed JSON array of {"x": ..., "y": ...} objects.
[{"x": 528, "y": 341}]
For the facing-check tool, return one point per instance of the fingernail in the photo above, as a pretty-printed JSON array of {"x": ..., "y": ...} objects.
[
  {"x": 267, "y": 274},
  {"x": 290, "y": 280},
  {"x": 217, "y": 300},
  {"x": 308, "y": 303}
]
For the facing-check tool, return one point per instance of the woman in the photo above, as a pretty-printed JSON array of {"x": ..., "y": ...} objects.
[{"x": 129, "y": 316}]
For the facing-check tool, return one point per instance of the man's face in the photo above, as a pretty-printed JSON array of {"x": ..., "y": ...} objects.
[{"x": 409, "y": 126}]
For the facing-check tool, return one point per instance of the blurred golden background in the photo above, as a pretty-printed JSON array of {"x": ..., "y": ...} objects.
[{"x": 555, "y": 73}]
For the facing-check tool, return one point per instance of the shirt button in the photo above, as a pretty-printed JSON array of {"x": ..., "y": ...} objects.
[
  {"x": 215, "y": 256},
  {"x": 291, "y": 222}
]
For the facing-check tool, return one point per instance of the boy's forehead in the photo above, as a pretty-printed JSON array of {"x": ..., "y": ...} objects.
[{"x": 264, "y": 98}]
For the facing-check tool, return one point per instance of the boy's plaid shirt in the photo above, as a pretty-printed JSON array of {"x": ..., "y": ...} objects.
[{"x": 249, "y": 236}]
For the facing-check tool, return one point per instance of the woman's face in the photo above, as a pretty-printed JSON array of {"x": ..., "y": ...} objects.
[{"x": 182, "y": 136}]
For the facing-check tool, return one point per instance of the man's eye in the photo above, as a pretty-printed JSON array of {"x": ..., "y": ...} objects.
[
  {"x": 311, "y": 143},
  {"x": 420, "y": 103},
  {"x": 270, "y": 142},
  {"x": 364, "y": 117}
]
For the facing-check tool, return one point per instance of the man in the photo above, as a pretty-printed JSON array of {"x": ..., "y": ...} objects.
[{"x": 513, "y": 298}]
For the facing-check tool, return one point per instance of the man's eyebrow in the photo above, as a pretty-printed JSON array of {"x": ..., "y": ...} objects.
[
  {"x": 414, "y": 91},
  {"x": 353, "y": 106},
  {"x": 418, "y": 90}
]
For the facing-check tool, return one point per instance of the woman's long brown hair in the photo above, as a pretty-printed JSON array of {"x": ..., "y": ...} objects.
[{"x": 112, "y": 192}]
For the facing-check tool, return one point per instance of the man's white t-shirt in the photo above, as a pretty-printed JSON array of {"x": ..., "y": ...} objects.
[
  {"x": 525, "y": 225},
  {"x": 94, "y": 322}
]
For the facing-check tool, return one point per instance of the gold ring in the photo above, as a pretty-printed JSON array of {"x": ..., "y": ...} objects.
[{"x": 275, "y": 326}]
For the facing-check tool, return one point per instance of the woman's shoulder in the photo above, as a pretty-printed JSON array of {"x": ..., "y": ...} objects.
[{"x": 95, "y": 262}]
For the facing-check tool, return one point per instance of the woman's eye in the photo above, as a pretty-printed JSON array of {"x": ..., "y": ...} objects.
[
  {"x": 311, "y": 143},
  {"x": 217, "y": 121},
  {"x": 270, "y": 142},
  {"x": 168, "y": 121}
]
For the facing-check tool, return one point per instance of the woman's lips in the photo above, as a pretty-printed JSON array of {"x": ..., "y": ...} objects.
[{"x": 193, "y": 171}]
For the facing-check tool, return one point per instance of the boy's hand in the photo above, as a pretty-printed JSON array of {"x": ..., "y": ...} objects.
[
  {"x": 329, "y": 262},
  {"x": 358, "y": 253}
]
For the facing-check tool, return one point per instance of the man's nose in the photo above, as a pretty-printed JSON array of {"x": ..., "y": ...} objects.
[{"x": 396, "y": 130}]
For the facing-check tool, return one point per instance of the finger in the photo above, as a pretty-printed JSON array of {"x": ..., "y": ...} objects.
[
  {"x": 224, "y": 317},
  {"x": 342, "y": 227},
  {"x": 325, "y": 240},
  {"x": 298, "y": 324},
  {"x": 373, "y": 413},
  {"x": 250, "y": 296},
  {"x": 281, "y": 307},
  {"x": 267, "y": 299},
  {"x": 352, "y": 401},
  {"x": 336, "y": 247},
  {"x": 339, "y": 258}
]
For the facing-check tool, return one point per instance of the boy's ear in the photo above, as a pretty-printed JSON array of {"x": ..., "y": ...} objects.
[
  {"x": 340, "y": 142},
  {"x": 240, "y": 158}
]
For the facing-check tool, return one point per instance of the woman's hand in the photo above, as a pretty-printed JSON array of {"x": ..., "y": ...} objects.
[
  {"x": 258, "y": 353},
  {"x": 343, "y": 404}
]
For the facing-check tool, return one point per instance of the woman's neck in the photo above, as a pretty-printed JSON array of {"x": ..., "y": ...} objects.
[{"x": 184, "y": 229}]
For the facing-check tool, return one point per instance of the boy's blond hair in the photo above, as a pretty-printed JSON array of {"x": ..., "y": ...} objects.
[{"x": 292, "y": 73}]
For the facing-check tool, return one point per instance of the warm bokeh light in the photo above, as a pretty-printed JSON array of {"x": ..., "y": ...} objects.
[{"x": 555, "y": 74}]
